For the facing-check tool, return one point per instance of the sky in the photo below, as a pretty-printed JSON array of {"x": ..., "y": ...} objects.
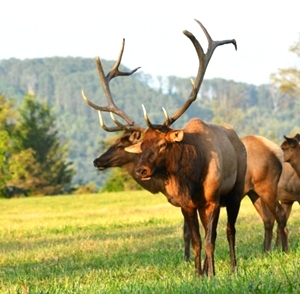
[{"x": 264, "y": 31}]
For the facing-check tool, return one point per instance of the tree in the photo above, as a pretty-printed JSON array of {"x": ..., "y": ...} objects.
[
  {"x": 7, "y": 125},
  {"x": 47, "y": 169},
  {"x": 288, "y": 79},
  {"x": 4, "y": 174}
]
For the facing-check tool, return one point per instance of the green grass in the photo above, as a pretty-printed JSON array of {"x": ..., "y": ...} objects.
[{"x": 130, "y": 243}]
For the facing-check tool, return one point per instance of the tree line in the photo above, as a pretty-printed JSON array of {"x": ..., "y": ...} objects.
[{"x": 269, "y": 110}]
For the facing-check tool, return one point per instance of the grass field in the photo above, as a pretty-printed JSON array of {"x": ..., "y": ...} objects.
[{"x": 131, "y": 243}]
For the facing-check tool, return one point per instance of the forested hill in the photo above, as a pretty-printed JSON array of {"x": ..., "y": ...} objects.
[{"x": 249, "y": 109}]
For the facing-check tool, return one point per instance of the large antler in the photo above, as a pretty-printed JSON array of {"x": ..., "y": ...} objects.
[
  {"x": 204, "y": 59},
  {"x": 111, "y": 107},
  {"x": 203, "y": 63}
]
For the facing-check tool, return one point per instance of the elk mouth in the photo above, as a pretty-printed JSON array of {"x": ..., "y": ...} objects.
[
  {"x": 146, "y": 178},
  {"x": 100, "y": 167}
]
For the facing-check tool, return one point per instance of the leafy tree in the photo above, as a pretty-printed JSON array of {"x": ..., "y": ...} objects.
[
  {"x": 288, "y": 79},
  {"x": 47, "y": 169},
  {"x": 7, "y": 125},
  {"x": 4, "y": 173},
  {"x": 25, "y": 173}
]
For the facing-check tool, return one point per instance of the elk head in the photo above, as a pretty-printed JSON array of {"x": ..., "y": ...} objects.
[
  {"x": 291, "y": 149},
  {"x": 154, "y": 146},
  {"x": 115, "y": 155}
]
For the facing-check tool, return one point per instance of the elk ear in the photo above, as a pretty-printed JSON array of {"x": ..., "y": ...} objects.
[
  {"x": 176, "y": 136},
  {"x": 136, "y": 148},
  {"x": 134, "y": 137},
  {"x": 292, "y": 142},
  {"x": 297, "y": 137}
]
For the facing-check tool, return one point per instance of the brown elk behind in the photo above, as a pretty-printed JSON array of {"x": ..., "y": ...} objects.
[
  {"x": 264, "y": 169},
  {"x": 291, "y": 152},
  {"x": 289, "y": 184}
]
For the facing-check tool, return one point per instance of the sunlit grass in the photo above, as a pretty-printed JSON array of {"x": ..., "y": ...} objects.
[{"x": 130, "y": 243}]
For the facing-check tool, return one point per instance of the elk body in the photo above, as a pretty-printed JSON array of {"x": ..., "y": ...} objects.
[
  {"x": 213, "y": 157},
  {"x": 264, "y": 169}
]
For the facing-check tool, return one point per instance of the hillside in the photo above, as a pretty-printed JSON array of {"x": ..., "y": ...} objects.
[{"x": 247, "y": 108}]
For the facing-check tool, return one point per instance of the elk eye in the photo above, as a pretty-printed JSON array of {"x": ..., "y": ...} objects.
[{"x": 163, "y": 145}]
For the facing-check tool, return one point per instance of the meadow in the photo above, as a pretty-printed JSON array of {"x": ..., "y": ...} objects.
[{"x": 131, "y": 243}]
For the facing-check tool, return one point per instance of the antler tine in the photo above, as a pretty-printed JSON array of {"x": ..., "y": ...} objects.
[
  {"x": 105, "y": 128},
  {"x": 204, "y": 59},
  {"x": 149, "y": 124},
  {"x": 114, "y": 72},
  {"x": 166, "y": 116},
  {"x": 122, "y": 126}
]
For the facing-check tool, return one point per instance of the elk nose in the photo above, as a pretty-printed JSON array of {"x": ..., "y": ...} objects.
[
  {"x": 143, "y": 172},
  {"x": 95, "y": 163}
]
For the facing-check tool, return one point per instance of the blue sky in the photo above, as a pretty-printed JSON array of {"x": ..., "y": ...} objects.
[{"x": 264, "y": 31}]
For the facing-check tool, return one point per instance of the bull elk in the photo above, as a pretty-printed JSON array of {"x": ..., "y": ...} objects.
[{"x": 202, "y": 166}]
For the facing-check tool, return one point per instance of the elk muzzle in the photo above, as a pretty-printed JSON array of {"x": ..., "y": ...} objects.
[
  {"x": 143, "y": 172},
  {"x": 98, "y": 164}
]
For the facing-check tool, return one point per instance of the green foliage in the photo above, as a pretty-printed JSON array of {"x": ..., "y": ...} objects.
[
  {"x": 4, "y": 173},
  {"x": 33, "y": 160},
  {"x": 250, "y": 109},
  {"x": 85, "y": 189},
  {"x": 48, "y": 171},
  {"x": 119, "y": 180},
  {"x": 25, "y": 172},
  {"x": 288, "y": 79},
  {"x": 7, "y": 127}
]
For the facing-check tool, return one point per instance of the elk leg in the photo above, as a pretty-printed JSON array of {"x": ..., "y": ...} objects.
[
  {"x": 232, "y": 208},
  {"x": 209, "y": 218},
  {"x": 280, "y": 215},
  {"x": 281, "y": 226},
  {"x": 191, "y": 218},
  {"x": 204, "y": 224},
  {"x": 187, "y": 240},
  {"x": 267, "y": 217},
  {"x": 287, "y": 207}
]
